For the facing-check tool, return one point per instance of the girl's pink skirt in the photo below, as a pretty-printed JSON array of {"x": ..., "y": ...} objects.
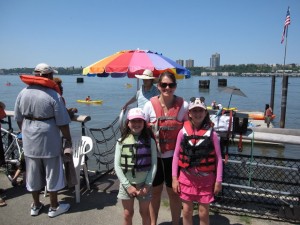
[{"x": 197, "y": 188}]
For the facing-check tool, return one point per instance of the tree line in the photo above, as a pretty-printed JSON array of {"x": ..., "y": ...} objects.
[
  {"x": 61, "y": 70},
  {"x": 238, "y": 69}
]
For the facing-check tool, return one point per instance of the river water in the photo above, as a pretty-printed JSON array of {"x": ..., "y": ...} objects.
[{"x": 115, "y": 92}]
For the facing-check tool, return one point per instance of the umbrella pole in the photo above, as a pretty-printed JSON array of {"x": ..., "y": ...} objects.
[{"x": 229, "y": 101}]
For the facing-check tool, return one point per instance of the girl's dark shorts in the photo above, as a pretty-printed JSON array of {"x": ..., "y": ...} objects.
[{"x": 164, "y": 172}]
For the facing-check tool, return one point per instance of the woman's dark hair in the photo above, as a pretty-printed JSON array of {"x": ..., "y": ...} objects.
[
  {"x": 145, "y": 134},
  {"x": 267, "y": 106},
  {"x": 167, "y": 74}
]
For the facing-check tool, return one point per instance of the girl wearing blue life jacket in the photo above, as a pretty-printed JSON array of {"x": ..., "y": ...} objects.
[{"x": 135, "y": 165}]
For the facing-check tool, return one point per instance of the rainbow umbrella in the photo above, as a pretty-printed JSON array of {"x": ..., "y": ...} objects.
[{"x": 131, "y": 62}]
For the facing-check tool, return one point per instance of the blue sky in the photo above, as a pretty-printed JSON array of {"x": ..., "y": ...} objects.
[{"x": 81, "y": 32}]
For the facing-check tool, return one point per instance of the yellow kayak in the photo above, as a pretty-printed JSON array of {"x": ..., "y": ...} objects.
[
  {"x": 232, "y": 108},
  {"x": 128, "y": 85},
  {"x": 90, "y": 102}
]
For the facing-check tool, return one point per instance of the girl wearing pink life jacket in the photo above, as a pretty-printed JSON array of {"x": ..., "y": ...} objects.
[{"x": 197, "y": 163}]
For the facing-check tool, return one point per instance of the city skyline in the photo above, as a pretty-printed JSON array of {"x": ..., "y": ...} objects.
[{"x": 79, "y": 33}]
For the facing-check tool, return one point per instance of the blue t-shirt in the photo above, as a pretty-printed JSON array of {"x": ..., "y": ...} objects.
[{"x": 144, "y": 96}]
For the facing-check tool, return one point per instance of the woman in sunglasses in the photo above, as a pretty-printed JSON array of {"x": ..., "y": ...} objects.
[{"x": 166, "y": 114}]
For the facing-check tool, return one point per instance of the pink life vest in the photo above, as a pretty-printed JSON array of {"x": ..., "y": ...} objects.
[
  {"x": 166, "y": 127},
  {"x": 197, "y": 149}
]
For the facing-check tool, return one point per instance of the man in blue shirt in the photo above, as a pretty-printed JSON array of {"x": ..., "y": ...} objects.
[{"x": 147, "y": 91}]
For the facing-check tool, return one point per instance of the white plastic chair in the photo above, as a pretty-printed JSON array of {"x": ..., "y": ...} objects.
[{"x": 85, "y": 146}]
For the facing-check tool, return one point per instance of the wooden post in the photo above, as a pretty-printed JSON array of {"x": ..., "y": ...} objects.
[
  {"x": 272, "y": 92},
  {"x": 80, "y": 80},
  {"x": 204, "y": 84},
  {"x": 222, "y": 82},
  {"x": 285, "y": 81}
]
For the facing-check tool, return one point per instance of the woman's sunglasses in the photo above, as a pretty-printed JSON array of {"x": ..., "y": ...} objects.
[{"x": 171, "y": 85}]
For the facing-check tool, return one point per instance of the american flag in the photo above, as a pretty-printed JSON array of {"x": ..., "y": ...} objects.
[{"x": 287, "y": 22}]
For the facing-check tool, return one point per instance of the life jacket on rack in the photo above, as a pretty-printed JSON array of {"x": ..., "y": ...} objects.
[
  {"x": 166, "y": 127},
  {"x": 197, "y": 149},
  {"x": 135, "y": 155},
  {"x": 43, "y": 81}
]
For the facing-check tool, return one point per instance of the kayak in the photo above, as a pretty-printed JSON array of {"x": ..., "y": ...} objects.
[
  {"x": 90, "y": 102},
  {"x": 259, "y": 116},
  {"x": 232, "y": 108},
  {"x": 128, "y": 85}
]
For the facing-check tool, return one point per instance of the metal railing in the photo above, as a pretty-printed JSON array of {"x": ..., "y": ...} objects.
[
  {"x": 77, "y": 118},
  {"x": 260, "y": 186}
]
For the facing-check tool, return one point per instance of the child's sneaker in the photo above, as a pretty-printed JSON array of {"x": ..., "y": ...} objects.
[
  {"x": 35, "y": 210},
  {"x": 62, "y": 208}
]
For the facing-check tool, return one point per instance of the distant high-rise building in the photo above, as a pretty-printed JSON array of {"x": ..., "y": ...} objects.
[
  {"x": 180, "y": 62},
  {"x": 215, "y": 60},
  {"x": 189, "y": 63}
]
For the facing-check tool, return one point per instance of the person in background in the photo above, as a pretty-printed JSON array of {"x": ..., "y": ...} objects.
[
  {"x": 2, "y": 110},
  {"x": 220, "y": 109},
  {"x": 2, "y": 116},
  {"x": 135, "y": 165},
  {"x": 214, "y": 105},
  {"x": 88, "y": 98},
  {"x": 268, "y": 115},
  {"x": 71, "y": 111},
  {"x": 20, "y": 170},
  {"x": 166, "y": 114},
  {"x": 197, "y": 166},
  {"x": 147, "y": 91},
  {"x": 2, "y": 157},
  {"x": 41, "y": 115}
]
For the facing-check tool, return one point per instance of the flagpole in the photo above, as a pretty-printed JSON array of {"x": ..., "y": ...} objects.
[{"x": 285, "y": 79}]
